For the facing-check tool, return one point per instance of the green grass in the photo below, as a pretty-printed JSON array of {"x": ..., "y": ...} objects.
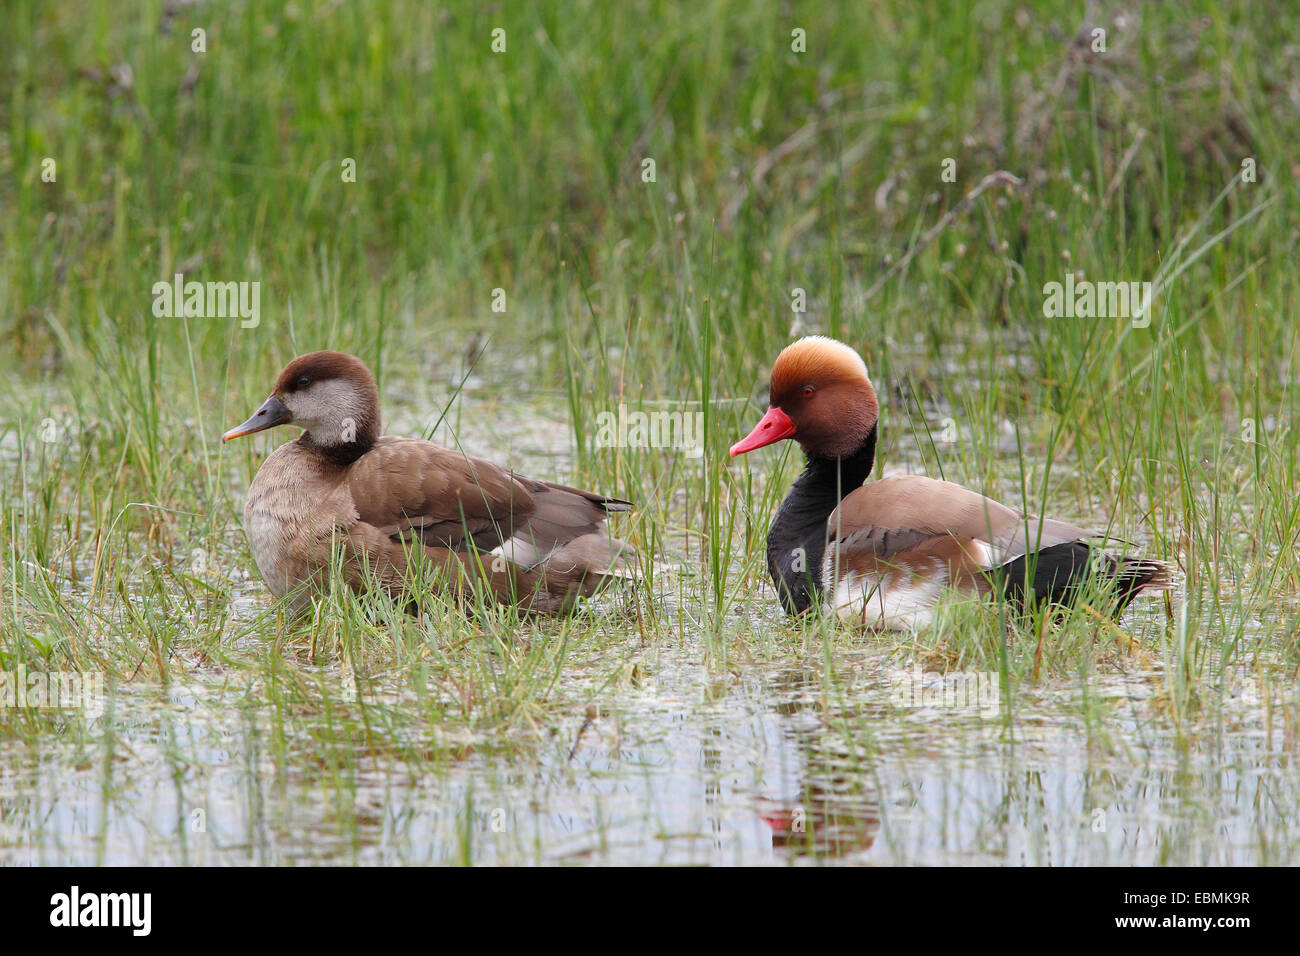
[{"x": 120, "y": 537}]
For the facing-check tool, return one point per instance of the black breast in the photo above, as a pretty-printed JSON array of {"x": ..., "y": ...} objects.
[{"x": 796, "y": 542}]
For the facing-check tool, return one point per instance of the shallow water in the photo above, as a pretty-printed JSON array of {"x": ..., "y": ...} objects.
[
  {"x": 748, "y": 761},
  {"x": 758, "y": 765}
]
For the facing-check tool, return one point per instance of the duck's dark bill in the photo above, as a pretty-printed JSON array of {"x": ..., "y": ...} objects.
[
  {"x": 271, "y": 413},
  {"x": 775, "y": 425}
]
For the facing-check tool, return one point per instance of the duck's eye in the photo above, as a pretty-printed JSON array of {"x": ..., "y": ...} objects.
[
  {"x": 808, "y": 391},
  {"x": 303, "y": 381}
]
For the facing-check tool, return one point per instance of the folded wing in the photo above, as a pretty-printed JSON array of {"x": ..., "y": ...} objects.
[
  {"x": 896, "y": 515},
  {"x": 408, "y": 490}
]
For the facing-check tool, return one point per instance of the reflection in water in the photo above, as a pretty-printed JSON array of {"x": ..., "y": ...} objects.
[
  {"x": 823, "y": 822},
  {"x": 837, "y": 811},
  {"x": 767, "y": 765}
]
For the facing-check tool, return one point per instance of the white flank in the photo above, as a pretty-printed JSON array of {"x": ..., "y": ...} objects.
[
  {"x": 983, "y": 555},
  {"x": 877, "y": 602},
  {"x": 519, "y": 551}
]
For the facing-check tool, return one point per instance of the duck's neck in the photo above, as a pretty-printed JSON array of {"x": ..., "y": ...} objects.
[
  {"x": 340, "y": 453},
  {"x": 797, "y": 541}
]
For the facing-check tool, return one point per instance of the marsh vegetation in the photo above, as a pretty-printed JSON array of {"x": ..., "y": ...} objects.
[{"x": 504, "y": 266}]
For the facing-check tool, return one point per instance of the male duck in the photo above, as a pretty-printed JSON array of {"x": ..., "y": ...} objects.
[{"x": 884, "y": 552}]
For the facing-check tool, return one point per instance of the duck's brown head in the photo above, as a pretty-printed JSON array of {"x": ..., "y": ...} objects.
[
  {"x": 331, "y": 396},
  {"x": 821, "y": 397}
]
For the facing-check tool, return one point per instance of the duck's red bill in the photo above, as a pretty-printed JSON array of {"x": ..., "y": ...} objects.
[
  {"x": 271, "y": 413},
  {"x": 775, "y": 425}
]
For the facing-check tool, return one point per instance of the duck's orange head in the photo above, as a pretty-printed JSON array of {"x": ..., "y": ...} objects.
[{"x": 821, "y": 397}]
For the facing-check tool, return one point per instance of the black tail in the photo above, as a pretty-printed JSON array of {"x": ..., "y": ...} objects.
[{"x": 1061, "y": 569}]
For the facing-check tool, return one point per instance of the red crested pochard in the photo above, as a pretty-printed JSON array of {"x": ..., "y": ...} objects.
[
  {"x": 884, "y": 552},
  {"x": 381, "y": 501}
]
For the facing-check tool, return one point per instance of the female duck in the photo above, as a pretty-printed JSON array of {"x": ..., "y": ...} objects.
[{"x": 378, "y": 503}]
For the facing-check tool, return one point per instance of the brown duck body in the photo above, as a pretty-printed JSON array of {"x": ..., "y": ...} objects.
[
  {"x": 894, "y": 545},
  {"x": 379, "y": 506}
]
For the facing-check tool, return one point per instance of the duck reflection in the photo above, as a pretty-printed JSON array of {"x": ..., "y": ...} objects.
[{"x": 837, "y": 812}]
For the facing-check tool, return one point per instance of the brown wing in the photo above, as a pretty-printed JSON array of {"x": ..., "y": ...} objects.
[
  {"x": 412, "y": 489},
  {"x": 548, "y": 541},
  {"x": 895, "y": 515},
  {"x": 560, "y": 515},
  {"x": 408, "y": 488}
]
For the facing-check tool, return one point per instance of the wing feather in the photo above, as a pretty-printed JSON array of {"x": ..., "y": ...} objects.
[{"x": 897, "y": 514}]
